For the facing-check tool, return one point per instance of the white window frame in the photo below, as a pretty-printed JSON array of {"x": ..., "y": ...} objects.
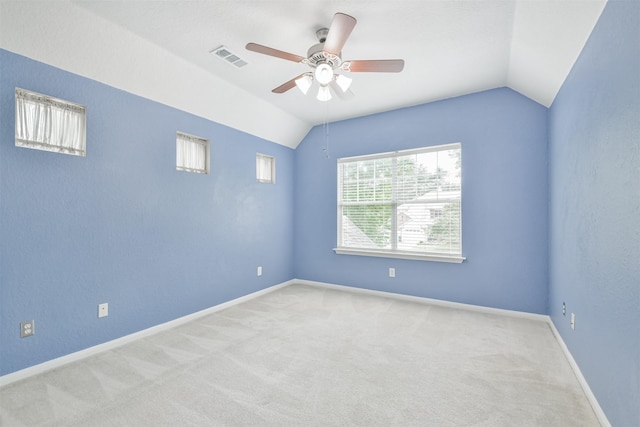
[
  {"x": 50, "y": 124},
  {"x": 268, "y": 175},
  {"x": 394, "y": 252},
  {"x": 196, "y": 143}
]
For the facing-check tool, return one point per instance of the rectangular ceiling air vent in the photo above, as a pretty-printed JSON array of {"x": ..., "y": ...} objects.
[{"x": 230, "y": 57}]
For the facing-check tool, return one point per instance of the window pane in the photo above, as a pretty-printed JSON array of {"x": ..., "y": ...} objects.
[
  {"x": 366, "y": 226},
  {"x": 191, "y": 153},
  {"x": 383, "y": 180},
  {"x": 444, "y": 230},
  {"x": 265, "y": 168},
  {"x": 451, "y": 162},
  {"x": 411, "y": 177},
  {"x": 366, "y": 181},
  {"x": 429, "y": 227},
  {"x": 49, "y": 124}
]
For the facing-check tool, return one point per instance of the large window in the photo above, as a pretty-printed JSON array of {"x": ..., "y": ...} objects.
[
  {"x": 192, "y": 153},
  {"x": 405, "y": 204},
  {"x": 49, "y": 124}
]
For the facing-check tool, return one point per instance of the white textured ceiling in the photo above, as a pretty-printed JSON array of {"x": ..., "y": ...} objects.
[{"x": 160, "y": 49}]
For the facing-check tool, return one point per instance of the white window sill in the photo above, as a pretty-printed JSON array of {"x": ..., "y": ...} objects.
[{"x": 401, "y": 255}]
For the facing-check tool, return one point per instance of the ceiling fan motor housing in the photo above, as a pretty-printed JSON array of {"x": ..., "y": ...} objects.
[{"x": 316, "y": 56}]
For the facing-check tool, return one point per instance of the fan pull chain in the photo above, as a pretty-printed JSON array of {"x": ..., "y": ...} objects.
[
  {"x": 326, "y": 140},
  {"x": 326, "y": 131}
]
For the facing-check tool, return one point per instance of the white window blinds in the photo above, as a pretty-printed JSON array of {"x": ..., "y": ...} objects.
[
  {"x": 402, "y": 202},
  {"x": 192, "y": 153},
  {"x": 50, "y": 124},
  {"x": 265, "y": 168}
]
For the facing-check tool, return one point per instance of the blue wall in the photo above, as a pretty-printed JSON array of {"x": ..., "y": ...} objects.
[
  {"x": 122, "y": 225},
  {"x": 594, "y": 140},
  {"x": 504, "y": 201}
]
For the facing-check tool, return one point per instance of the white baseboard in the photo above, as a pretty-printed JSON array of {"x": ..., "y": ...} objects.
[
  {"x": 602, "y": 418},
  {"x": 442, "y": 303},
  {"x": 54, "y": 363},
  {"x": 82, "y": 354}
]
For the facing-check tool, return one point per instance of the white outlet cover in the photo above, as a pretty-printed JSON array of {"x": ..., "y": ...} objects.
[
  {"x": 27, "y": 328},
  {"x": 573, "y": 321},
  {"x": 260, "y": 270},
  {"x": 392, "y": 272},
  {"x": 103, "y": 310}
]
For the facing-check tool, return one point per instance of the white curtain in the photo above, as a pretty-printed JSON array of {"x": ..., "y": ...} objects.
[
  {"x": 191, "y": 153},
  {"x": 265, "y": 166},
  {"x": 50, "y": 124}
]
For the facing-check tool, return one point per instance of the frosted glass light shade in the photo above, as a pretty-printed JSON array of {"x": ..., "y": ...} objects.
[
  {"x": 343, "y": 81},
  {"x": 304, "y": 83},
  {"x": 324, "y": 94}
]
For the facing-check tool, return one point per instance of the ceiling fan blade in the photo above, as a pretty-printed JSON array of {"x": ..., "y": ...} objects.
[
  {"x": 254, "y": 47},
  {"x": 339, "y": 31},
  {"x": 287, "y": 85},
  {"x": 375, "y": 65}
]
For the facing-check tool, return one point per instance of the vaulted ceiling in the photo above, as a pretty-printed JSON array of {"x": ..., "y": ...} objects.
[{"x": 161, "y": 50}]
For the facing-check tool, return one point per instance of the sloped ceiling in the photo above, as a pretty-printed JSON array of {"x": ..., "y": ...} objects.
[{"x": 160, "y": 50}]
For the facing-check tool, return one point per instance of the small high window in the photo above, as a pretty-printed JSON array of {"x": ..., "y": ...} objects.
[
  {"x": 265, "y": 168},
  {"x": 192, "y": 153},
  {"x": 50, "y": 124}
]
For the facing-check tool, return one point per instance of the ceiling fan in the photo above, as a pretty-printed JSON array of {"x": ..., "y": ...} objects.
[{"x": 325, "y": 58}]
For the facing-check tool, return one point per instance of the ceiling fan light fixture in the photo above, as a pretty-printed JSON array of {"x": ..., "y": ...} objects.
[
  {"x": 304, "y": 83},
  {"x": 324, "y": 94},
  {"x": 343, "y": 81},
  {"x": 324, "y": 74},
  {"x": 325, "y": 61}
]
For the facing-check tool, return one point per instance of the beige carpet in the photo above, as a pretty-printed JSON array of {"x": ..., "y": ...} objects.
[{"x": 313, "y": 356}]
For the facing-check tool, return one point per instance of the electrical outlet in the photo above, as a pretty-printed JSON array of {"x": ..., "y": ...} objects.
[
  {"x": 259, "y": 270},
  {"x": 573, "y": 321},
  {"x": 392, "y": 272},
  {"x": 27, "y": 328},
  {"x": 103, "y": 310},
  {"x": 564, "y": 309}
]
